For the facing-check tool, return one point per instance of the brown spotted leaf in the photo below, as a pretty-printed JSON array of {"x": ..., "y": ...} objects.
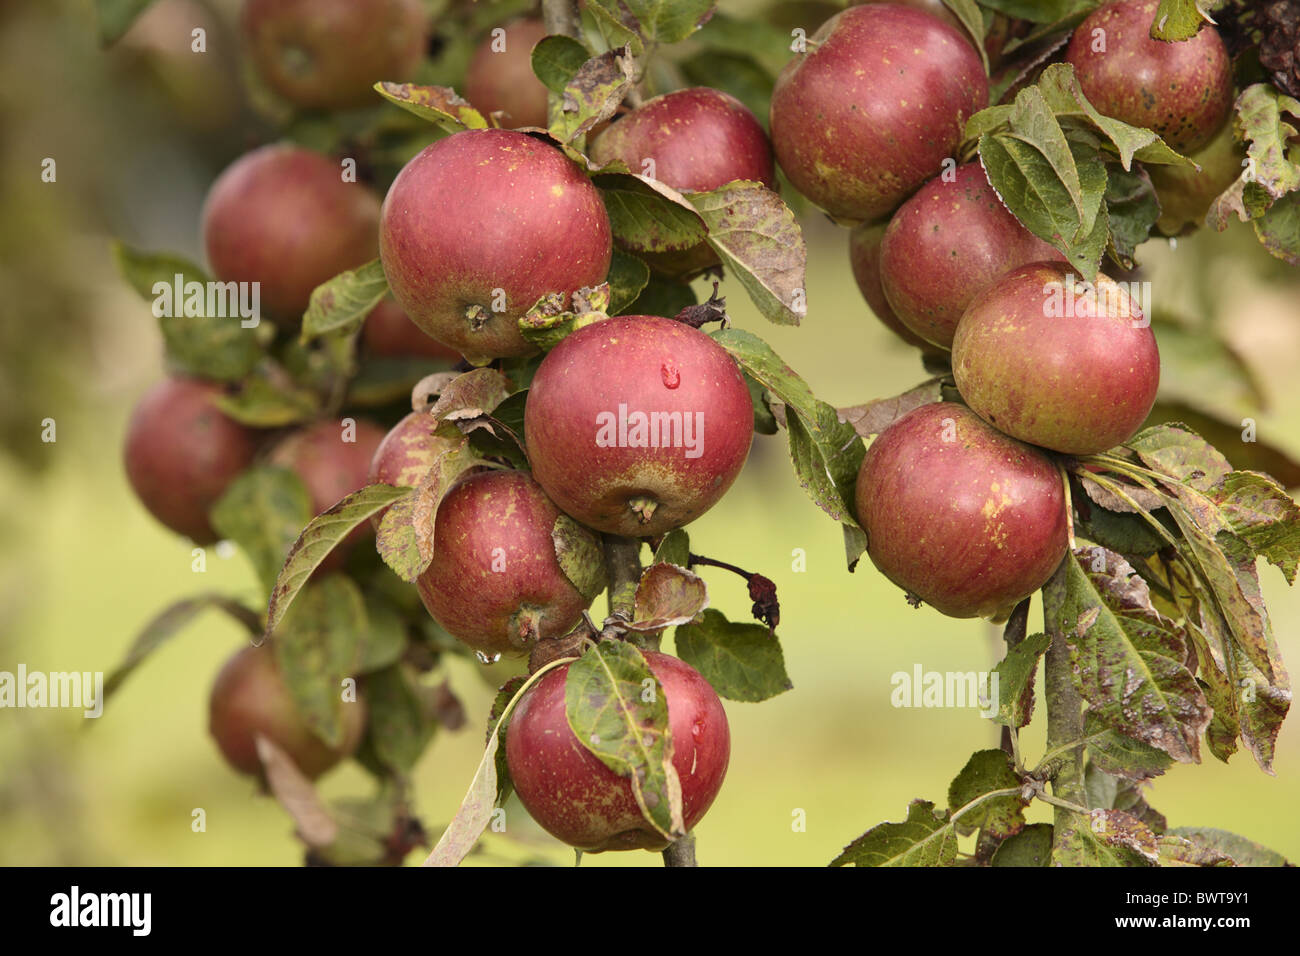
[
  {"x": 666, "y": 596},
  {"x": 875, "y": 416},
  {"x": 594, "y": 93},
  {"x": 440, "y": 105},
  {"x": 1129, "y": 660}
]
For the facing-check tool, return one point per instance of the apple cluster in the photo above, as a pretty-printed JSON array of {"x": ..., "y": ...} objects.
[{"x": 964, "y": 503}]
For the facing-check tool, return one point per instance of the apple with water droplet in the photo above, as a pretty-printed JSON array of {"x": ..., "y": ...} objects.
[
  {"x": 638, "y": 424},
  {"x": 579, "y": 800}
]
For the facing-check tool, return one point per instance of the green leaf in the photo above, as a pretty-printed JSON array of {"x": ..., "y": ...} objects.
[
  {"x": 1122, "y": 756},
  {"x": 1181, "y": 454},
  {"x": 1015, "y": 676},
  {"x": 1178, "y": 20},
  {"x": 440, "y": 105},
  {"x": 556, "y": 59},
  {"x": 269, "y": 399},
  {"x": 167, "y": 623},
  {"x": 1038, "y": 11},
  {"x": 116, "y": 17},
  {"x": 1064, "y": 97},
  {"x": 925, "y": 838},
  {"x": 662, "y": 296},
  {"x": 997, "y": 817},
  {"x": 1131, "y": 212},
  {"x": 742, "y": 661},
  {"x": 1178, "y": 851},
  {"x": 1032, "y": 846},
  {"x": 755, "y": 234},
  {"x": 658, "y": 21},
  {"x": 216, "y": 347},
  {"x": 317, "y": 647},
  {"x": 1279, "y": 229},
  {"x": 321, "y": 536},
  {"x": 594, "y": 93},
  {"x": 263, "y": 511},
  {"x": 1244, "y": 450},
  {"x": 580, "y": 556},
  {"x": 675, "y": 548},
  {"x": 1078, "y": 845},
  {"x": 345, "y": 300},
  {"x": 1050, "y": 207},
  {"x": 1129, "y": 661},
  {"x": 971, "y": 18},
  {"x": 627, "y": 278},
  {"x": 764, "y": 420},
  {"x": 646, "y": 216},
  {"x": 1261, "y": 112},
  {"x": 667, "y": 595},
  {"x": 385, "y": 639},
  {"x": 1244, "y": 852},
  {"x": 399, "y": 724},
  {"x": 605, "y": 696},
  {"x": 499, "y": 725}
]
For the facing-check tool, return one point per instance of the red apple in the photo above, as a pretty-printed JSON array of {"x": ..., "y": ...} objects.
[
  {"x": 407, "y": 452},
  {"x": 579, "y": 800},
  {"x": 1057, "y": 362},
  {"x": 873, "y": 108},
  {"x": 249, "y": 698},
  {"x": 638, "y": 424},
  {"x": 693, "y": 140},
  {"x": 959, "y": 515},
  {"x": 482, "y": 224},
  {"x": 864, "y": 261},
  {"x": 495, "y": 582},
  {"x": 946, "y": 245},
  {"x": 328, "y": 54},
  {"x": 182, "y": 454},
  {"x": 283, "y": 217},
  {"x": 390, "y": 333},
  {"x": 500, "y": 76},
  {"x": 1183, "y": 91}
]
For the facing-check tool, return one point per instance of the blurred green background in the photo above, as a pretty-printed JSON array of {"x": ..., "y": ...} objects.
[{"x": 138, "y": 132}]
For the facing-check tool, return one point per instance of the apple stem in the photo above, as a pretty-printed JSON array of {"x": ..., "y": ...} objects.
[
  {"x": 681, "y": 852},
  {"x": 562, "y": 17},
  {"x": 1064, "y": 714},
  {"x": 623, "y": 572}
]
